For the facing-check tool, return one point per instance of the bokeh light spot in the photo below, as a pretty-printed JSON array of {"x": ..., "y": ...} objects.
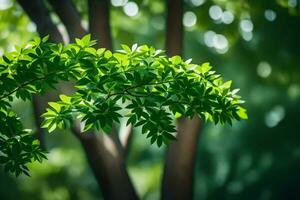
[
  {"x": 273, "y": 117},
  {"x": 31, "y": 27},
  {"x": 131, "y": 9},
  {"x": 220, "y": 42},
  {"x": 264, "y": 69},
  {"x": 215, "y": 12},
  {"x": 189, "y": 19},
  {"x": 292, "y": 3},
  {"x": 293, "y": 91},
  {"x": 246, "y": 25},
  {"x": 118, "y": 3},
  {"x": 209, "y": 38},
  {"x": 227, "y": 17},
  {"x": 270, "y": 15},
  {"x": 197, "y": 2},
  {"x": 5, "y": 4}
]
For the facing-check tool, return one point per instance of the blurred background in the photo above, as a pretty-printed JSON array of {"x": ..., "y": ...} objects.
[{"x": 254, "y": 43}]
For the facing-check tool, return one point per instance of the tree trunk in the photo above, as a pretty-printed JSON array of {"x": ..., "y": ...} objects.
[
  {"x": 108, "y": 165},
  {"x": 180, "y": 158},
  {"x": 180, "y": 161},
  {"x": 39, "y": 14},
  {"x": 174, "y": 27},
  {"x": 69, "y": 16},
  {"x": 99, "y": 25},
  {"x": 104, "y": 152}
]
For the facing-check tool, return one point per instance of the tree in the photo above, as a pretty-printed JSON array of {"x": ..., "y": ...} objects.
[{"x": 157, "y": 79}]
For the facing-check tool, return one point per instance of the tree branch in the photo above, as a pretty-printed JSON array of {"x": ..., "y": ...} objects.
[
  {"x": 69, "y": 17},
  {"x": 180, "y": 158},
  {"x": 174, "y": 27},
  {"x": 39, "y": 14},
  {"x": 104, "y": 152},
  {"x": 107, "y": 164},
  {"x": 180, "y": 161},
  {"x": 99, "y": 25},
  {"x": 126, "y": 137}
]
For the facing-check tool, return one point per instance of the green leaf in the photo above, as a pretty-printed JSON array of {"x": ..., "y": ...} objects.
[
  {"x": 6, "y": 59},
  {"x": 205, "y": 67},
  {"x": 126, "y": 48},
  {"x": 227, "y": 84},
  {"x": 86, "y": 39},
  {"x": 169, "y": 136},
  {"x": 64, "y": 98},
  {"x": 107, "y": 54},
  {"x": 55, "y": 106},
  {"x": 152, "y": 87},
  {"x": 52, "y": 126},
  {"x": 159, "y": 140},
  {"x": 79, "y": 42},
  {"x": 176, "y": 60},
  {"x": 242, "y": 113}
]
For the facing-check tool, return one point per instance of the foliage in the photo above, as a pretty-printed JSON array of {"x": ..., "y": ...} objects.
[{"x": 140, "y": 83}]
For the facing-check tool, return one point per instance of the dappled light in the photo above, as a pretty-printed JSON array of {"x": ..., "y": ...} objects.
[
  {"x": 227, "y": 17},
  {"x": 131, "y": 9},
  {"x": 189, "y": 19},
  {"x": 274, "y": 116},
  {"x": 264, "y": 69},
  {"x": 246, "y": 147},
  {"x": 197, "y": 2},
  {"x": 218, "y": 41},
  {"x": 270, "y": 15},
  {"x": 215, "y": 12}
]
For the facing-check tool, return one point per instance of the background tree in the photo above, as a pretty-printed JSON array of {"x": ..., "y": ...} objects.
[{"x": 221, "y": 171}]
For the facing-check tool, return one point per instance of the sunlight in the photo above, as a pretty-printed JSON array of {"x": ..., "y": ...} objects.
[
  {"x": 292, "y": 3},
  {"x": 131, "y": 9},
  {"x": 220, "y": 42},
  {"x": 31, "y": 27},
  {"x": 270, "y": 15},
  {"x": 215, "y": 12},
  {"x": 197, "y": 2},
  {"x": 246, "y": 25},
  {"x": 264, "y": 69},
  {"x": 227, "y": 17},
  {"x": 209, "y": 37},
  {"x": 118, "y": 3},
  {"x": 5, "y": 4},
  {"x": 189, "y": 19},
  {"x": 273, "y": 117}
]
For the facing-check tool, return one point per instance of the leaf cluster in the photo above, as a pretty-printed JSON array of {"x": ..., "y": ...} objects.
[{"x": 139, "y": 83}]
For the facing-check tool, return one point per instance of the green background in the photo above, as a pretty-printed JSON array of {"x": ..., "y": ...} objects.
[{"x": 254, "y": 43}]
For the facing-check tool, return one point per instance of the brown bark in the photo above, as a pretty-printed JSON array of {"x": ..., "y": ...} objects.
[
  {"x": 39, "y": 14},
  {"x": 180, "y": 161},
  {"x": 174, "y": 27},
  {"x": 108, "y": 165},
  {"x": 69, "y": 17},
  {"x": 104, "y": 152},
  {"x": 180, "y": 158},
  {"x": 99, "y": 25}
]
